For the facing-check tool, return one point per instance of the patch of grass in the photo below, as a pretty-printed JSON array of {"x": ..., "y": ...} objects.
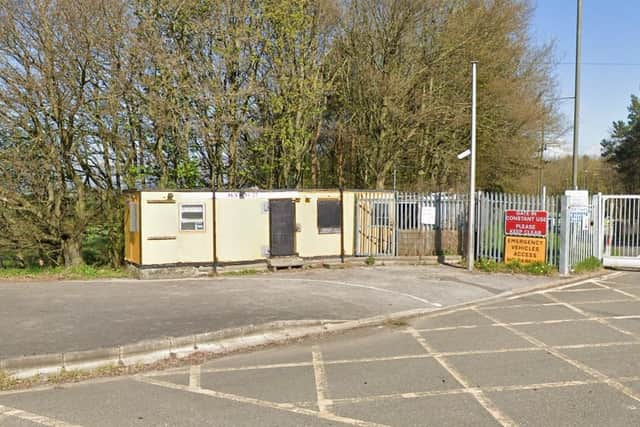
[
  {"x": 395, "y": 323},
  {"x": 61, "y": 273},
  {"x": 246, "y": 272},
  {"x": 588, "y": 265},
  {"x": 539, "y": 269},
  {"x": 534, "y": 268},
  {"x": 370, "y": 260},
  {"x": 488, "y": 265},
  {"x": 6, "y": 381}
]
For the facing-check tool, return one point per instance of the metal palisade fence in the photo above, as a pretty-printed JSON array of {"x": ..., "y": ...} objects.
[
  {"x": 425, "y": 224},
  {"x": 490, "y": 219}
]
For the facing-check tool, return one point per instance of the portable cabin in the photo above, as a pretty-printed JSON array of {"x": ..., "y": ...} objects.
[{"x": 165, "y": 229}]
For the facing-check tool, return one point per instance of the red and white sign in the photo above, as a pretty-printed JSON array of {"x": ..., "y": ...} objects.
[{"x": 525, "y": 223}]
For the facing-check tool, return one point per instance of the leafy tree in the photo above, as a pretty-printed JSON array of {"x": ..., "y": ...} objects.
[
  {"x": 123, "y": 94},
  {"x": 622, "y": 149},
  {"x": 50, "y": 66}
]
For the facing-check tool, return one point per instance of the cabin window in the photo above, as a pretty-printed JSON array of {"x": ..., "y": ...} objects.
[
  {"x": 192, "y": 217},
  {"x": 328, "y": 216}
]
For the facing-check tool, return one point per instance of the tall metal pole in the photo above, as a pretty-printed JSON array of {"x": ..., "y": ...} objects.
[
  {"x": 472, "y": 174},
  {"x": 576, "y": 98}
]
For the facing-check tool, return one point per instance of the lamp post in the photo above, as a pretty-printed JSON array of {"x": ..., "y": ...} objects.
[
  {"x": 576, "y": 99},
  {"x": 472, "y": 174}
]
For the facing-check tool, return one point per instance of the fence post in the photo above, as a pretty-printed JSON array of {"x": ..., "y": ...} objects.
[
  {"x": 341, "y": 225},
  {"x": 396, "y": 209},
  {"x": 600, "y": 232},
  {"x": 595, "y": 221},
  {"x": 565, "y": 229}
]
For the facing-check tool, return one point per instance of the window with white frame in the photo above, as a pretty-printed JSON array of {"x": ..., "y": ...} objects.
[{"x": 192, "y": 217}]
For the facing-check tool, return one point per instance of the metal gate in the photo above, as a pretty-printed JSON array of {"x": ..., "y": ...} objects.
[
  {"x": 375, "y": 224},
  {"x": 579, "y": 230},
  {"x": 619, "y": 226}
]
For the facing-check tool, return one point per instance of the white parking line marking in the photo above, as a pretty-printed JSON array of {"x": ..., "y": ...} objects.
[
  {"x": 530, "y": 322},
  {"x": 458, "y": 391},
  {"x": 34, "y": 418},
  {"x": 604, "y": 301},
  {"x": 195, "y": 376},
  {"x": 286, "y": 407},
  {"x": 322, "y": 385},
  {"x": 500, "y": 307},
  {"x": 348, "y": 284},
  {"x": 598, "y": 345},
  {"x": 620, "y": 291},
  {"x": 569, "y": 291},
  {"x": 600, "y": 320},
  {"x": 586, "y": 369},
  {"x": 483, "y": 400}
]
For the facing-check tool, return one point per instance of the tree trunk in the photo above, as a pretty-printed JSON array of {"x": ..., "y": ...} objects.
[
  {"x": 115, "y": 257},
  {"x": 71, "y": 252}
]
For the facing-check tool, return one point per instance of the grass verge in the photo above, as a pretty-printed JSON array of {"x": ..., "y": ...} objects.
[
  {"x": 534, "y": 268},
  {"x": 588, "y": 265},
  {"x": 246, "y": 272},
  {"x": 61, "y": 273}
]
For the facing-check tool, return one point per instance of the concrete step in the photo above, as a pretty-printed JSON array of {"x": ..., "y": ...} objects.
[{"x": 280, "y": 262}]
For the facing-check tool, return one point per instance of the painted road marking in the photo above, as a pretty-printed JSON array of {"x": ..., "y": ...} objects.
[
  {"x": 350, "y": 361},
  {"x": 600, "y": 320},
  {"x": 569, "y": 291},
  {"x": 286, "y": 407},
  {"x": 620, "y": 291},
  {"x": 194, "y": 376},
  {"x": 533, "y": 304},
  {"x": 483, "y": 400},
  {"x": 586, "y": 369},
  {"x": 598, "y": 345},
  {"x": 322, "y": 385},
  {"x": 547, "y": 304},
  {"x": 529, "y": 322},
  {"x": 458, "y": 391},
  {"x": 34, "y": 418},
  {"x": 347, "y": 284}
]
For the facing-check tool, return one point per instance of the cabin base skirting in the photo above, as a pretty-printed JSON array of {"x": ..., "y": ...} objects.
[{"x": 182, "y": 271}]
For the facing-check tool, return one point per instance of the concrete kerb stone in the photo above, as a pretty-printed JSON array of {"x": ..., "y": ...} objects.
[
  {"x": 149, "y": 351},
  {"x": 235, "y": 339},
  {"x": 90, "y": 359}
]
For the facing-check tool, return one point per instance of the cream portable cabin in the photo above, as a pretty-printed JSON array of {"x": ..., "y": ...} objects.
[{"x": 190, "y": 228}]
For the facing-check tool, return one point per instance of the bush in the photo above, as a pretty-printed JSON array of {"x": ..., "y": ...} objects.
[{"x": 370, "y": 260}]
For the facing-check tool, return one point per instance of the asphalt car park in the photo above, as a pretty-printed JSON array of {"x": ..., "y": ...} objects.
[{"x": 561, "y": 356}]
